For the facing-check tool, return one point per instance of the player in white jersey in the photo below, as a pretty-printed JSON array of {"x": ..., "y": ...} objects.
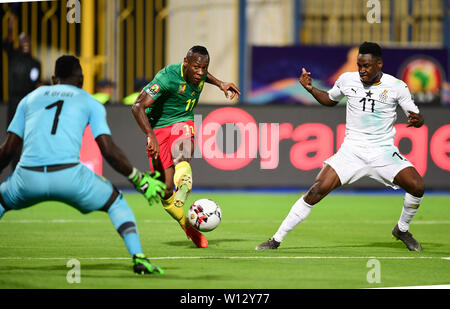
[{"x": 368, "y": 149}]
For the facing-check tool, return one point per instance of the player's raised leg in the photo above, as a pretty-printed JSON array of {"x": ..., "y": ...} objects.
[
  {"x": 326, "y": 181},
  {"x": 409, "y": 180},
  {"x": 182, "y": 152},
  {"x": 177, "y": 213},
  {"x": 183, "y": 182}
]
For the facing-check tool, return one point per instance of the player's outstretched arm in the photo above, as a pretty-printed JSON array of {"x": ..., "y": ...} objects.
[
  {"x": 114, "y": 155},
  {"x": 138, "y": 109},
  {"x": 225, "y": 87},
  {"x": 321, "y": 96},
  {"x": 146, "y": 183},
  {"x": 11, "y": 146}
]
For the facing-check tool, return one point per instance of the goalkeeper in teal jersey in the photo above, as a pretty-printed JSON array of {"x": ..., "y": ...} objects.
[
  {"x": 164, "y": 112},
  {"x": 48, "y": 127}
]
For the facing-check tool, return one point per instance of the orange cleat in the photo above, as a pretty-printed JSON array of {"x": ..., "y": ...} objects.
[{"x": 197, "y": 237}]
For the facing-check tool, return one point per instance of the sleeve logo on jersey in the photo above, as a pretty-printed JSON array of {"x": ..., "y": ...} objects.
[
  {"x": 153, "y": 90},
  {"x": 182, "y": 88}
]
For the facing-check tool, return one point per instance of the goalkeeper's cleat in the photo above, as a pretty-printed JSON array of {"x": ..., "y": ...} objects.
[
  {"x": 268, "y": 245},
  {"x": 184, "y": 188},
  {"x": 408, "y": 240},
  {"x": 197, "y": 238},
  {"x": 141, "y": 266}
]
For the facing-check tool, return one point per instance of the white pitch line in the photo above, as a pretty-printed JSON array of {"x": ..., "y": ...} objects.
[
  {"x": 232, "y": 258},
  {"x": 52, "y": 221},
  {"x": 421, "y": 287},
  {"x": 25, "y": 221}
]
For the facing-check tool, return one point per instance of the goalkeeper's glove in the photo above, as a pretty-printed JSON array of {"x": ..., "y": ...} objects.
[{"x": 148, "y": 184}]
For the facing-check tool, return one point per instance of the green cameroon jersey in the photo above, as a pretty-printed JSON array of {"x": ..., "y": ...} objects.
[{"x": 175, "y": 98}]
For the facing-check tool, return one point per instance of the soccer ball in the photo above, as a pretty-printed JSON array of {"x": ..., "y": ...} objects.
[{"x": 205, "y": 215}]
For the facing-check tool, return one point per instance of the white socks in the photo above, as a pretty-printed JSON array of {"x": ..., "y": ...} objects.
[
  {"x": 410, "y": 206},
  {"x": 298, "y": 213},
  {"x": 301, "y": 210}
]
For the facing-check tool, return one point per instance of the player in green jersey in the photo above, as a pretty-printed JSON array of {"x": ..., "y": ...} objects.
[{"x": 164, "y": 112}]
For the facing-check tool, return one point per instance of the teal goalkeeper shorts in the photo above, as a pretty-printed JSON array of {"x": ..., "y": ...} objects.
[{"x": 76, "y": 186}]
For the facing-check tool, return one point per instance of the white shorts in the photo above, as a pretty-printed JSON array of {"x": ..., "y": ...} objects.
[{"x": 382, "y": 163}]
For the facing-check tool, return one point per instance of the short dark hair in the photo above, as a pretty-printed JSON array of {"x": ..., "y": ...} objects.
[
  {"x": 197, "y": 49},
  {"x": 66, "y": 65},
  {"x": 371, "y": 48}
]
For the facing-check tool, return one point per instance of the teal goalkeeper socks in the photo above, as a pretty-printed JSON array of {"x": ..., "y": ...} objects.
[{"x": 124, "y": 222}]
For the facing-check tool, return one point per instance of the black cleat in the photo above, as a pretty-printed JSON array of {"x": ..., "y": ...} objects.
[
  {"x": 141, "y": 265},
  {"x": 408, "y": 240},
  {"x": 268, "y": 245}
]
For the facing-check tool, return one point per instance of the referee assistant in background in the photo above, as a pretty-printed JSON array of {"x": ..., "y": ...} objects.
[{"x": 24, "y": 72}]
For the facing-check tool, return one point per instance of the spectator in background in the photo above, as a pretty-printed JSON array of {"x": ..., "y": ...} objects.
[
  {"x": 105, "y": 91},
  {"x": 24, "y": 72},
  {"x": 138, "y": 85}
]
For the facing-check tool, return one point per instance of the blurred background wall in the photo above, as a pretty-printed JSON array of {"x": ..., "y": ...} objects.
[
  {"x": 260, "y": 45},
  {"x": 127, "y": 41}
]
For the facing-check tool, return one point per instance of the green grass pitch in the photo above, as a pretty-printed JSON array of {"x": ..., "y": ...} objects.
[{"x": 332, "y": 249}]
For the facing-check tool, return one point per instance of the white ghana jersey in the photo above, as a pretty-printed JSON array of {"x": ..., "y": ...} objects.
[{"x": 371, "y": 110}]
